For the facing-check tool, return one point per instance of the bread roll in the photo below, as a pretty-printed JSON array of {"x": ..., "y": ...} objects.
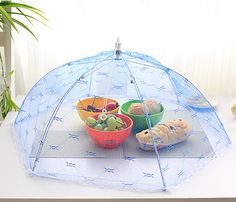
[
  {"x": 152, "y": 107},
  {"x": 136, "y": 108},
  {"x": 172, "y": 132}
]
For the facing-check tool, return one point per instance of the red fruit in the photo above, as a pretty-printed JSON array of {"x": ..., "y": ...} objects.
[
  {"x": 99, "y": 110},
  {"x": 111, "y": 106},
  {"x": 90, "y": 108}
]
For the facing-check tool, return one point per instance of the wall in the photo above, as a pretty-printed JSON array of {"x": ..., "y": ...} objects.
[{"x": 195, "y": 38}]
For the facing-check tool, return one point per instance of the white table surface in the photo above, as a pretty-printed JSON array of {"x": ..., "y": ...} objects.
[{"x": 216, "y": 180}]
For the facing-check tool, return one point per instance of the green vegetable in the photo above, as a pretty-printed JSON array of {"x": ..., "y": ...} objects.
[
  {"x": 105, "y": 122},
  {"x": 106, "y": 129},
  {"x": 111, "y": 115},
  {"x": 111, "y": 123},
  {"x": 99, "y": 121},
  {"x": 104, "y": 125},
  {"x": 91, "y": 121},
  {"x": 98, "y": 127},
  {"x": 119, "y": 122}
]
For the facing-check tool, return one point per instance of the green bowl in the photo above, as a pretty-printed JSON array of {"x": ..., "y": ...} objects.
[{"x": 140, "y": 121}]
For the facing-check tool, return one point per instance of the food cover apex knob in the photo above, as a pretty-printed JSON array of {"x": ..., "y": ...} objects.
[{"x": 118, "y": 48}]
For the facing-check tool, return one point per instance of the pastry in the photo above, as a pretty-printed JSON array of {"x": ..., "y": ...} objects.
[
  {"x": 136, "y": 108},
  {"x": 172, "y": 132},
  {"x": 152, "y": 107}
]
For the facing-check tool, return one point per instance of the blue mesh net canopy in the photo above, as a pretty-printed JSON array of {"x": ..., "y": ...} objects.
[{"x": 55, "y": 144}]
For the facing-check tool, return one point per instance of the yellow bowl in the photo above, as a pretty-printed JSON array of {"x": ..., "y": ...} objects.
[{"x": 98, "y": 102}]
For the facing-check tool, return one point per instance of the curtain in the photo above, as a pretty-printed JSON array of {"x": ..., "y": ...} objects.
[{"x": 195, "y": 38}]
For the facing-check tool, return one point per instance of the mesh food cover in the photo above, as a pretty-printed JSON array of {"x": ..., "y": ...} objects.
[{"x": 118, "y": 119}]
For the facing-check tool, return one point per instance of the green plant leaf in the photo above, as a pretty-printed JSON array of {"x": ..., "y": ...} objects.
[
  {"x": 9, "y": 4},
  {"x": 1, "y": 60},
  {"x": 6, "y": 103},
  {"x": 8, "y": 17},
  {"x": 24, "y": 16},
  {"x": 8, "y": 100},
  {"x": 24, "y": 26},
  {"x": 6, "y": 26},
  {"x": 7, "y": 14},
  {"x": 9, "y": 74},
  {"x": 1, "y": 26},
  {"x": 2, "y": 93},
  {"x": 28, "y": 16},
  {"x": 15, "y": 106}
]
